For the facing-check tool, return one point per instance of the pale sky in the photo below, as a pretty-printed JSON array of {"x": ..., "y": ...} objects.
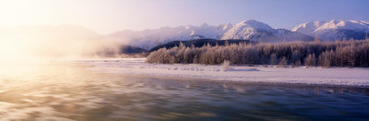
[{"x": 106, "y": 16}]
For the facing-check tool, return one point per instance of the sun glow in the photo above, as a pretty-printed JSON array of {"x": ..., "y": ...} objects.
[
  {"x": 44, "y": 43},
  {"x": 12, "y": 50}
]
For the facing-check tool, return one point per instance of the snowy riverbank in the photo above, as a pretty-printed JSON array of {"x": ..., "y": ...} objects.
[{"x": 300, "y": 75}]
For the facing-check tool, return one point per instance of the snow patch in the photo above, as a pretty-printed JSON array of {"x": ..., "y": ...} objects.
[{"x": 299, "y": 75}]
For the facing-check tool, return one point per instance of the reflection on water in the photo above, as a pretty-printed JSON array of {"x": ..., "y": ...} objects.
[{"x": 61, "y": 92}]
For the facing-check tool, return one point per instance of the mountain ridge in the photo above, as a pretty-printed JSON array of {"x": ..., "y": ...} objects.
[
  {"x": 246, "y": 30},
  {"x": 335, "y": 29}
]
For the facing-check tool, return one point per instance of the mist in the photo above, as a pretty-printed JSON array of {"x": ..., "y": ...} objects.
[{"x": 42, "y": 43}]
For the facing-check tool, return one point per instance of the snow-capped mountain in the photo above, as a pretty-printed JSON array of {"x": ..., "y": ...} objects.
[
  {"x": 335, "y": 29},
  {"x": 258, "y": 31},
  {"x": 248, "y": 30},
  {"x": 245, "y": 30},
  {"x": 308, "y": 28},
  {"x": 150, "y": 38}
]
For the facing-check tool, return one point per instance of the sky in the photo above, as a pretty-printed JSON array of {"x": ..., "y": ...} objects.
[{"x": 107, "y": 16}]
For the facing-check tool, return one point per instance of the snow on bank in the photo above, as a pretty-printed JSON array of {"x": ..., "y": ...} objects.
[{"x": 300, "y": 75}]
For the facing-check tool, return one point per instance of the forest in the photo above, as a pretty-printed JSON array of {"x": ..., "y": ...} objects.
[{"x": 326, "y": 54}]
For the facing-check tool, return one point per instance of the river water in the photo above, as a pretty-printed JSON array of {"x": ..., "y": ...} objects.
[{"x": 69, "y": 92}]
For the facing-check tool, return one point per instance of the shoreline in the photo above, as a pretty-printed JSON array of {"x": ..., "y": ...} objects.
[
  {"x": 336, "y": 76},
  {"x": 190, "y": 79}
]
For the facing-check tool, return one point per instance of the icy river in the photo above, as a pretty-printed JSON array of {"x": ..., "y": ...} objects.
[{"x": 70, "y": 92}]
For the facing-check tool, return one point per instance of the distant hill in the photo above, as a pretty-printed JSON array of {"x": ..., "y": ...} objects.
[{"x": 200, "y": 43}]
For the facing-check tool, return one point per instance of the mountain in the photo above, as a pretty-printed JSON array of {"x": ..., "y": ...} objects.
[
  {"x": 335, "y": 29},
  {"x": 246, "y": 30},
  {"x": 258, "y": 31},
  {"x": 149, "y": 38}
]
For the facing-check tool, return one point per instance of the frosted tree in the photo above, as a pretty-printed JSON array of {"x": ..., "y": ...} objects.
[
  {"x": 295, "y": 58},
  {"x": 339, "y": 53},
  {"x": 326, "y": 58},
  {"x": 273, "y": 59},
  {"x": 226, "y": 66},
  {"x": 310, "y": 60},
  {"x": 282, "y": 62}
]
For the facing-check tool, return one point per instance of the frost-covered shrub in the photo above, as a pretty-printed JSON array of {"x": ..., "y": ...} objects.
[
  {"x": 273, "y": 59},
  {"x": 283, "y": 62},
  {"x": 326, "y": 59},
  {"x": 226, "y": 66},
  {"x": 310, "y": 60}
]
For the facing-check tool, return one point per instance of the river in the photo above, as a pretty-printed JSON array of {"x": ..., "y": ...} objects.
[{"x": 70, "y": 92}]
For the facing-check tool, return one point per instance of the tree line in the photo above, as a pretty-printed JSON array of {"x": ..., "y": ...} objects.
[{"x": 325, "y": 54}]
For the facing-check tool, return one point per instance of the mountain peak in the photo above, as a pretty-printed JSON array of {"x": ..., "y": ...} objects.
[
  {"x": 254, "y": 24},
  {"x": 335, "y": 21},
  {"x": 334, "y": 29},
  {"x": 259, "y": 31},
  {"x": 308, "y": 28},
  {"x": 251, "y": 22},
  {"x": 344, "y": 24}
]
